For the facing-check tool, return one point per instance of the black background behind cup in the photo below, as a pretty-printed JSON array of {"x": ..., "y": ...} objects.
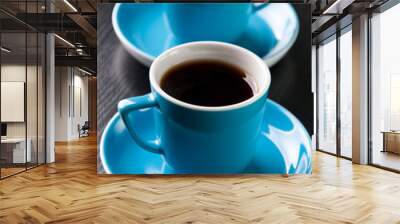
[{"x": 120, "y": 75}]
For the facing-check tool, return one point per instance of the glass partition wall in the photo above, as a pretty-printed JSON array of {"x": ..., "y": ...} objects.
[
  {"x": 22, "y": 98},
  {"x": 334, "y": 90},
  {"x": 385, "y": 89},
  {"x": 13, "y": 90},
  {"x": 334, "y": 114}
]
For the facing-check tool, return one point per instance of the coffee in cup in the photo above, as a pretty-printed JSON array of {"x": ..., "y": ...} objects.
[{"x": 208, "y": 83}]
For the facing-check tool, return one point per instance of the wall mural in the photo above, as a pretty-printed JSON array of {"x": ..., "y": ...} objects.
[{"x": 187, "y": 88}]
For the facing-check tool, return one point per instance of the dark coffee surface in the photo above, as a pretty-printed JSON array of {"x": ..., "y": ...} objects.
[{"x": 207, "y": 83}]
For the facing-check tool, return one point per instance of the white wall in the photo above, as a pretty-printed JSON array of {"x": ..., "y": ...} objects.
[
  {"x": 13, "y": 101},
  {"x": 14, "y": 72},
  {"x": 17, "y": 72},
  {"x": 80, "y": 108},
  {"x": 71, "y": 94},
  {"x": 62, "y": 81},
  {"x": 33, "y": 126}
]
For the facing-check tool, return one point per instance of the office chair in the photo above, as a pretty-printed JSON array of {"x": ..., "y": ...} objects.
[{"x": 84, "y": 130}]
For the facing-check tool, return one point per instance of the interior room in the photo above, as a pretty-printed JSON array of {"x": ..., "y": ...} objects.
[
  {"x": 55, "y": 111},
  {"x": 22, "y": 103}
]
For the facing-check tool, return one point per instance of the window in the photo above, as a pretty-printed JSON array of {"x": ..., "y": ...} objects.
[
  {"x": 385, "y": 89},
  {"x": 327, "y": 97},
  {"x": 346, "y": 94}
]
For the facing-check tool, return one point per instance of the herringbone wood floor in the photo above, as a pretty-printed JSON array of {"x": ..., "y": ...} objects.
[{"x": 70, "y": 191}]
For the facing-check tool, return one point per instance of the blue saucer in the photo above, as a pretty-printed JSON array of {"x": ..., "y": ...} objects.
[
  {"x": 144, "y": 31},
  {"x": 284, "y": 146}
]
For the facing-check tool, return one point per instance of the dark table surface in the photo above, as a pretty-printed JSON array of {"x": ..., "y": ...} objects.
[{"x": 121, "y": 76}]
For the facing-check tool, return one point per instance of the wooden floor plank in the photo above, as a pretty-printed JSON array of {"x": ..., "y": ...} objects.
[{"x": 70, "y": 191}]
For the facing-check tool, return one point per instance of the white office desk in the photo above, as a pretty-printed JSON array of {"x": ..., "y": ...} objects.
[{"x": 19, "y": 149}]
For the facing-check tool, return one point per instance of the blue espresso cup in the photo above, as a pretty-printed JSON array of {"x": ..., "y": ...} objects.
[
  {"x": 200, "y": 139},
  {"x": 209, "y": 21}
]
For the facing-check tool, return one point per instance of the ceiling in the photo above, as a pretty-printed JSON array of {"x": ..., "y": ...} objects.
[
  {"x": 74, "y": 22},
  {"x": 16, "y": 42},
  {"x": 332, "y": 15}
]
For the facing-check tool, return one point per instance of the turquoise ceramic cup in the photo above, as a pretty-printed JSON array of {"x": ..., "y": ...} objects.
[
  {"x": 209, "y": 21},
  {"x": 199, "y": 139}
]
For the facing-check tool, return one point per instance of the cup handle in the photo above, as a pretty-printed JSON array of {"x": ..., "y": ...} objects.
[
  {"x": 136, "y": 103},
  {"x": 258, "y": 6}
]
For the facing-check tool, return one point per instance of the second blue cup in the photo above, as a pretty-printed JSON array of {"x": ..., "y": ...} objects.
[{"x": 209, "y": 21}]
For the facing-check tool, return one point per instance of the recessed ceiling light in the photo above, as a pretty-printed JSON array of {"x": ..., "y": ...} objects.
[
  {"x": 337, "y": 7},
  {"x": 65, "y": 41},
  {"x": 5, "y": 50},
  {"x": 70, "y": 5},
  {"x": 84, "y": 71}
]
